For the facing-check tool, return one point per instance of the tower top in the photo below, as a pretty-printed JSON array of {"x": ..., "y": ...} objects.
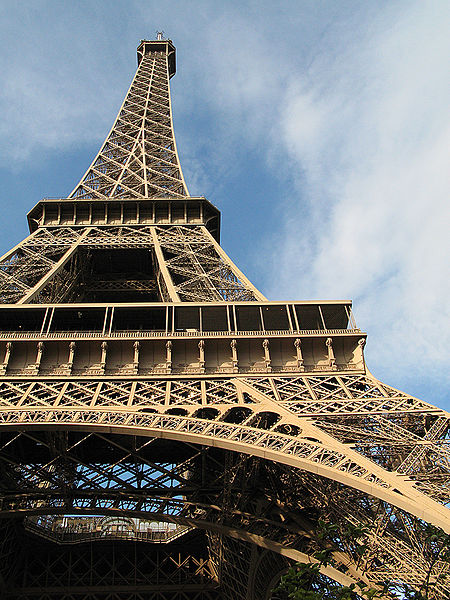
[{"x": 158, "y": 45}]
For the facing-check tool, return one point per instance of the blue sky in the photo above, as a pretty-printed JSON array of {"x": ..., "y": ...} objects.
[{"x": 319, "y": 128}]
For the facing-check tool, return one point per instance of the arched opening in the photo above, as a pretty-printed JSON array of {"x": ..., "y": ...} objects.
[
  {"x": 206, "y": 413},
  {"x": 264, "y": 420},
  {"x": 178, "y": 412},
  {"x": 237, "y": 415}
]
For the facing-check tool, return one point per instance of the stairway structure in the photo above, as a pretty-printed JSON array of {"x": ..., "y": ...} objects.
[{"x": 147, "y": 386}]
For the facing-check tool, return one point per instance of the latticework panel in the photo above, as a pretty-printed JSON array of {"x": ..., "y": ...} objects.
[
  {"x": 139, "y": 157},
  {"x": 370, "y": 452},
  {"x": 251, "y": 500},
  {"x": 111, "y": 571},
  {"x": 31, "y": 261},
  {"x": 267, "y": 571},
  {"x": 199, "y": 269},
  {"x": 236, "y": 569},
  {"x": 8, "y": 550},
  {"x": 119, "y": 237},
  {"x": 46, "y": 266}
]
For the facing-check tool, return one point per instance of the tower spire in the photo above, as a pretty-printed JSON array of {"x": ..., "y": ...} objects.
[{"x": 139, "y": 157}]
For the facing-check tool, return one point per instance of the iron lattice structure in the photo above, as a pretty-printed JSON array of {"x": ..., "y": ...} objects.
[{"x": 168, "y": 433}]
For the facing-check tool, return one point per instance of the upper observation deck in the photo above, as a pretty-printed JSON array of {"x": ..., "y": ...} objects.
[{"x": 166, "y": 46}]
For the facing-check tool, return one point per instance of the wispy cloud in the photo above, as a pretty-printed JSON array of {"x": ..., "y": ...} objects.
[{"x": 369, "y": 135}]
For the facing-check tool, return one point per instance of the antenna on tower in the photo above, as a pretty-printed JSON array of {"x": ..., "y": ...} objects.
[{"x": 159, "y": 35}]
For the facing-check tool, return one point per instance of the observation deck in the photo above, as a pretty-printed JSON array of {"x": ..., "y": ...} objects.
[{"x": 166, "y": 46}]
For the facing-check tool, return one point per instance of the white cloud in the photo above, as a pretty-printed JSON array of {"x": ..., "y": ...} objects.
[{"x": 370, "y": 137}]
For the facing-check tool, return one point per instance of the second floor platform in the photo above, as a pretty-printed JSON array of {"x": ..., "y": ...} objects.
[{"x": 140, "y": 339}]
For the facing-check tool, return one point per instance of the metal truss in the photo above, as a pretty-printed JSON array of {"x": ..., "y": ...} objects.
[
  {"x": 237, "y": 416},
  {"x": 34, "y": 261},
  {"x": 191, "y": 266},
  {"x": 241, "y": 424},
  {"x": 113, "y": 571},
  {"x": 233, "y": 495},
  {"x": 360, "y": 451},
  {"x": 139, "y": 157},
  {"x": 201, "y": 269}
]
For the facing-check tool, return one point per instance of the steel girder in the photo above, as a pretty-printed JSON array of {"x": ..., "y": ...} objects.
[
  {"x": 237, "y": 416},
  {"x": 40, "y": 267},
  {"x": 139, "y": 157}
]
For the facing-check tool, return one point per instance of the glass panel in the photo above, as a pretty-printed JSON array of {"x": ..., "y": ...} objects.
[
  {"x": 308, "y": 316},
  {"x": 139, "y": 319},
  {"x": 275, "y": 318},
  {"x": 187, "y": 318},
  {"x": 214, "y": 318},
  {"x": 248, "y": 318},
  {"x": 21, "y": 319},
  {"x": 78, "y": 319},
  {"x": 335, "y": 316}
]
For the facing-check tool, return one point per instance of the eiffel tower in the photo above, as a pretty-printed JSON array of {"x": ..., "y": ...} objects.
[{"x": 168, "y": 433}]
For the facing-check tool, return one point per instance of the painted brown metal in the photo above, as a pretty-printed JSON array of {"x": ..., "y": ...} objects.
[{"x": 144, "y": 377}]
